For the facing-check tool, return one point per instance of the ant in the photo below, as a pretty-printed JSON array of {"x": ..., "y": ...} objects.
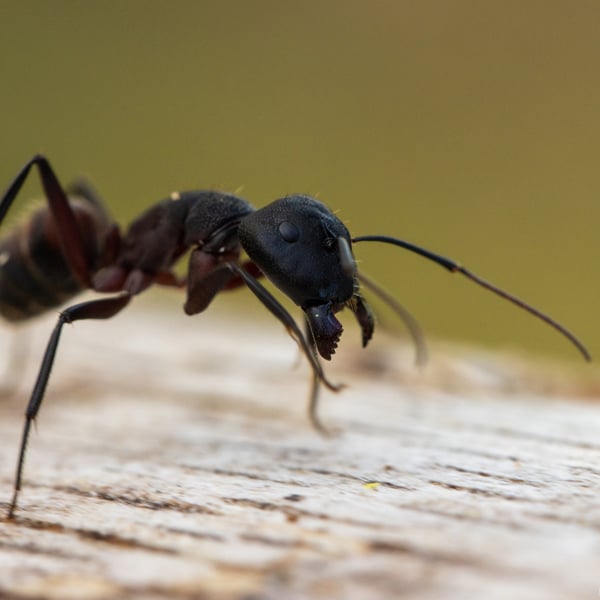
[{"x": 72, "y": 244}]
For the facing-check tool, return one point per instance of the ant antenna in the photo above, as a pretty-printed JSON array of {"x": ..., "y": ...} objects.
[
  {"x": 405, "y": 316},
  {"x": 454, "y": 267}
]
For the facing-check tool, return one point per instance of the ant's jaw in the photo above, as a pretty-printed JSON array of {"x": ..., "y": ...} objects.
[
  {"x": 326, "y": 330},
  {"x": 364, "y": 315}
]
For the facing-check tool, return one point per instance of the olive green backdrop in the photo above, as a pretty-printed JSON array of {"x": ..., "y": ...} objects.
[{"x": 472, "y": 128}]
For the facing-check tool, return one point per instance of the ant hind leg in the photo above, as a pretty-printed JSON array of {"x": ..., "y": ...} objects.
[{"x": 104, "y": 308}]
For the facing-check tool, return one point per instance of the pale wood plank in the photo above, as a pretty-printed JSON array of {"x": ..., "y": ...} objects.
[{"x": 173, "y": 458}]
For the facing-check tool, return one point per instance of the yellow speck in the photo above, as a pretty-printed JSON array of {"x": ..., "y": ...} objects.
[
  {"x": 175, "y": 196},
  {"x": 371, "y": 485}
]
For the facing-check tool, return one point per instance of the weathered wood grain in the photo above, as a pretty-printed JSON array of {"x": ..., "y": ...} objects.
[{"x": 173, "y": 459}]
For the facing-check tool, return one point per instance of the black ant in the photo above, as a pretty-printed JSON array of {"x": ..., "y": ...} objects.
[{"x": 72, "y": 244}]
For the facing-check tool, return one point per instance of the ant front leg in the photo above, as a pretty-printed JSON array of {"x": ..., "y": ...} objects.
[
  {"x": 204, "y": 284},
  {"x": 104, "y": 308},
  {"x": 278, "y": 311},
  {"x": 314, "y": 390}
]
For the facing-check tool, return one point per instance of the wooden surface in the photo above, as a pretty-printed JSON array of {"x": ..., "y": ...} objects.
[{"x": 173, "y": 459}]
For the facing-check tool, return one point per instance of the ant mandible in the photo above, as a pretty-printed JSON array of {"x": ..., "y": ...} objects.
[{"x": 296, "y": 242}]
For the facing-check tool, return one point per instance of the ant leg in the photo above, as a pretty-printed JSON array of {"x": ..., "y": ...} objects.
[
  {"x": 278, "y": 311},
  {"x": 84, "y": 189},
  {"x": 111, "y": 244},
  {"x": 411, "y": 324},
  {"x": 250, "y": 268},
  {"x": 206, "y": 278},
  {"x": 208, "y": 275},
  {"x": 205, "y": 282},
  {"x": 72, "y": 243},
  {"x": 313, "y": 400},
  {"x": 104, "y": 308}
]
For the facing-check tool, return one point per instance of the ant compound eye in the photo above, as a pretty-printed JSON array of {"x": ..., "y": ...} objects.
[{"x": 289, "y": 232}]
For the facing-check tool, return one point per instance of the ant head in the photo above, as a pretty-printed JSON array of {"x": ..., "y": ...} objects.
[{"x": 305, "y": 250}]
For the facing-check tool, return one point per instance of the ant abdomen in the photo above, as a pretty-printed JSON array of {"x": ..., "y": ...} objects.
[{"x": 34, "y": 274}]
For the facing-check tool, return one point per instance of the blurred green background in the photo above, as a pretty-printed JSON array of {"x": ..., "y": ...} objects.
[{"x": 472, "y": 128}]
